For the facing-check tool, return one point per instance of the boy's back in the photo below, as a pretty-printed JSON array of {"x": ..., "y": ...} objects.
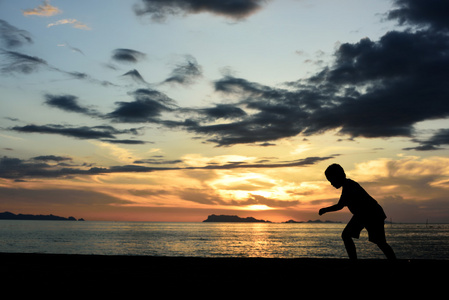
[{"x": 359, "y": 202}]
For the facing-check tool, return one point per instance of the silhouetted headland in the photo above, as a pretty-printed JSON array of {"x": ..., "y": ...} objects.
[
  {"x": 10, "y": 216},
  {"x": 235, "y": 219}
]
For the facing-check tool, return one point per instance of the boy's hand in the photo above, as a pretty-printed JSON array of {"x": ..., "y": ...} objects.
[{"x": 322, "y": 211}]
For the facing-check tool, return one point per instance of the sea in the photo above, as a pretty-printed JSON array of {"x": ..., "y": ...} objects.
[{"x": 267, "y": 240}]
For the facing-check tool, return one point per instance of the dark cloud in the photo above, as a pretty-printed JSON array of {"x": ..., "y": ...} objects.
[
  {"x": 160, "y": 9},
  {"x": 126, "y": 142},
  {"x": 68, "y": 103},
  {"x": 52, "y": 158},
  {"x": 12, "y": 37},
  {"x": 15, "y": 168},
  {"x": 83, "y": 132},
  {"x": 103, "y": 133},
  {"x": 384, "y": 88},
  {"x": 185, "y": 73},
  {"x": 127, "y": 55},
  {"x": 22, "y": 197},
  {"x": 219, "y": 111},
  {"x": 432, "y": 13},
  {"x": 262, "y": 114},
  {"x": 223, "y": 111},
  {"x": 148, "y": 106},
  {"x": 394, "y": 83}
]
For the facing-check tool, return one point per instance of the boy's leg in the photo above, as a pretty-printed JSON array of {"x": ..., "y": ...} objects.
[
  {"x": 352, "y": 230},
  {"x": 387, "y": 250},
  {"x": 350, "y": 248},
  {"x": 376, "y": 232}
]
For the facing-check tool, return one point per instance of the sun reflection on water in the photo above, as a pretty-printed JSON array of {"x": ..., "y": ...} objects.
[{"x": 266, "y": 240}]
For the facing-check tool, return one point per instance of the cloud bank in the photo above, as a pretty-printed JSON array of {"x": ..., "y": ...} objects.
[
  {"x": 40, "y": 167},
  {"x": 372, "y": 89}
]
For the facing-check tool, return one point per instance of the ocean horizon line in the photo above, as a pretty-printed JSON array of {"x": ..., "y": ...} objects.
[{"x": 196, "y": 222}]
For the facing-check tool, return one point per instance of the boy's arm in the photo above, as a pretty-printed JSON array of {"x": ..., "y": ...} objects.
[{"x": 332, "y": 208}]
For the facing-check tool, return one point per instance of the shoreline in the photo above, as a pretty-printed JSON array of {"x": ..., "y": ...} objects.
[{"x": 162, "y": 269}]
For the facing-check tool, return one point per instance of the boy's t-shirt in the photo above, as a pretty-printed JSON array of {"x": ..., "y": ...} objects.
[{"x": 359, "y": 202}]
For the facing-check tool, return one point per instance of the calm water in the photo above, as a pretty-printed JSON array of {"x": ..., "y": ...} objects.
[{"x": 410, "y": 241}]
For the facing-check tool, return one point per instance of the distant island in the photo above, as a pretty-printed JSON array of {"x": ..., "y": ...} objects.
[
  {"x": 10, "y": 216},
  {"x": 235, "y": 219}
]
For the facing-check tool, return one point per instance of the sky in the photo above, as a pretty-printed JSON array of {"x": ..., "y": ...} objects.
[{"x": 172, "y": 110}]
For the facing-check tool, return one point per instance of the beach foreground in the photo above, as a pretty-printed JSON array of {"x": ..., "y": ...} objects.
[{"x": 115, "y": 272}]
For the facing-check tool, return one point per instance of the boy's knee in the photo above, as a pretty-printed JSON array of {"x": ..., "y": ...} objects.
[
  {"x": 345, "y": 235},
  {"x": 381, "y": 244}
]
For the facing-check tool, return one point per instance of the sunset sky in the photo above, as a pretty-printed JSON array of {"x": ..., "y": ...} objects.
[{"x": 171, "y": 110}]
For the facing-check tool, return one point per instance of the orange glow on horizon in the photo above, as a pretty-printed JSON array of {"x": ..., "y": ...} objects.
[{"x": 259, "y": 207}]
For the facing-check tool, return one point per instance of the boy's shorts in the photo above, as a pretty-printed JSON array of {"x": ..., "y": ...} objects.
[{"x": 375, "y": 228}]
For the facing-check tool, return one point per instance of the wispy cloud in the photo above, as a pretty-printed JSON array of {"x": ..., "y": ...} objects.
[
  {"x": 186, "y": 72},
  {"x": 135, "y": 76},
  {"x": 44, "y": 10},
  {"x": 13, "y": 37},
  {"x": 75, "y": 24},
  {"x": 16, "y": 62},
  {"x": 103, "y": 132},
  {"x": 440, "y": 138},
  {"x": 74, "y": 49}
]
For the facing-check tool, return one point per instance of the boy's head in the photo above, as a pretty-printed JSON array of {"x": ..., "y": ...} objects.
[{"x": 336, "y": 175}]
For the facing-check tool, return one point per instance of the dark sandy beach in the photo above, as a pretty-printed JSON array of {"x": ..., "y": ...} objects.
[{"x": 178, "y": 274}]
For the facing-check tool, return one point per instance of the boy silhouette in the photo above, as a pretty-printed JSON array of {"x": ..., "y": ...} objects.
[{"x": 367, "y": 213}]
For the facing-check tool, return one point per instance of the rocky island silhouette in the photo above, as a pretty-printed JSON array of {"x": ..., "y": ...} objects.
[
  {"x": 237, "y": 219},
  {"x": 10, "y": 216}
]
